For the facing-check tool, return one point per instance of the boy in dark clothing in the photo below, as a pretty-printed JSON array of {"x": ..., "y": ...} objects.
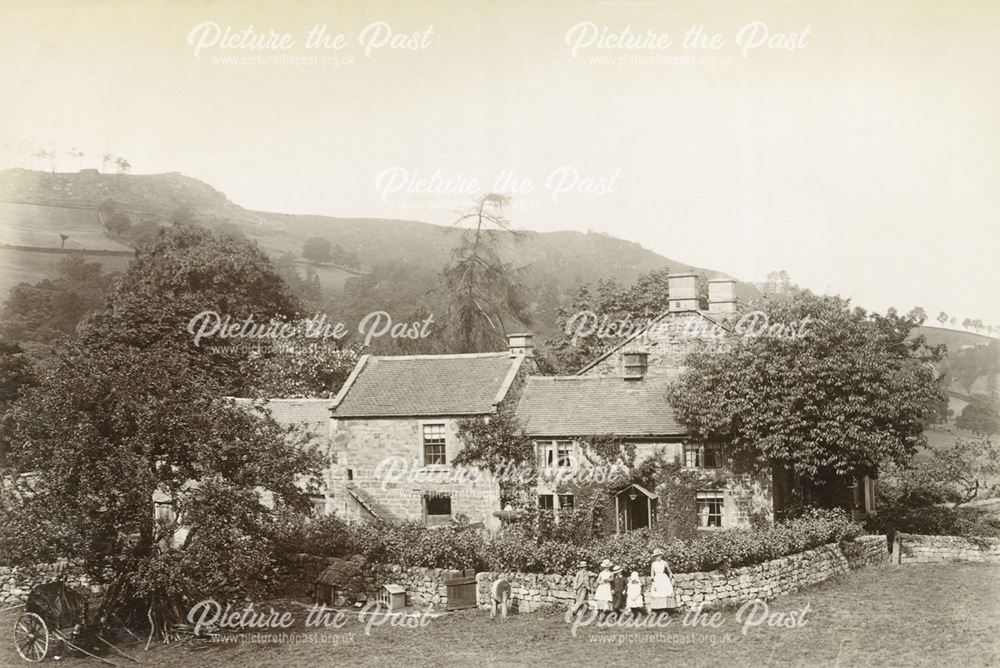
[{"x": 618, "y": 584}]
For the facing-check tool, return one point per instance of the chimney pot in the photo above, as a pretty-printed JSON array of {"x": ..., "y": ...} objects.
[
  {"x": 722, "y": 295},
  {"x": 683, "y": 291},
  {"x": 521, "y": 344}
]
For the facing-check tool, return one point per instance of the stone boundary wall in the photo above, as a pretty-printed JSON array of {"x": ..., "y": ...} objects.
[
  {"x": 917, "y": 549},
  {"x": 866, "y": 551},
  {"x": 532, "y": 591},
  {"x": 424, "y": 586},
  {"x": 16, "y": 583}
]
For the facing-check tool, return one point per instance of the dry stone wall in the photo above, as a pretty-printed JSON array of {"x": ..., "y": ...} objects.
[
  {"x": 16, "y": 583},
  {"x": 918, "y": 549},
  {"x": 532, "y": 591}
]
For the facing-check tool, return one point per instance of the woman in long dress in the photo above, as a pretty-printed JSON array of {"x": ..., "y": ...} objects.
[
  {"x": 661, "y": 593},
  {"x": 603, "y": 594}
]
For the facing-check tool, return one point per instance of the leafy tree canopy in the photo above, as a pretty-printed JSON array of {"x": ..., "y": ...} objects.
[
  {"x": 317, "y": 249},
  {"x": 190, "y": 271},
  {"x": 980, "y": 416},
  {"x": 854, "y": 391},
  {"x": 52, "y": 308},
  {"x": 110, "y": 431},
  {"x": 501, "y": 445}
]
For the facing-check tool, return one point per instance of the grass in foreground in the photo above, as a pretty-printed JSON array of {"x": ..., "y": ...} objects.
[{"x": 911, "y": 615}]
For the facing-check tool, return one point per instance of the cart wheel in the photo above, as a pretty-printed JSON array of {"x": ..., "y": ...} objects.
[{"x": 31, "y": 637}]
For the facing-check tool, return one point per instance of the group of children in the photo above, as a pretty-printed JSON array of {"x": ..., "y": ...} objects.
[{"x": 616, "y": 594}]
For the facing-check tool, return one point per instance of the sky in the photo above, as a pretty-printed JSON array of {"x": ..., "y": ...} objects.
[{"x": 855, "y": 145}]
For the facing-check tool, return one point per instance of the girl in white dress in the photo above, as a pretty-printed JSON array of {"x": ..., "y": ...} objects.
[
  {"x": 603, "y": 594},
  {"x": 661, "y": 594},
  {"x": 633, "y": 598}
]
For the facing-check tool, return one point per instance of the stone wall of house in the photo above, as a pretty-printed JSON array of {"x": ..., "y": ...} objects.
[
  {"x": 917, "y": 549},
  {"x": 16, "y": 583},
  {"x": 380, "y": 460},
  {"x": 532, "y": 591},
  {"x": 666, "y": 343}
]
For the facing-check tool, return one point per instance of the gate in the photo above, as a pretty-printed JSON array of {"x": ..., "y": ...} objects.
[{"x": 461, "y": 592}]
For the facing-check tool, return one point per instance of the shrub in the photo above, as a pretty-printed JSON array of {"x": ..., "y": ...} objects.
[{"x": 519, "y": 547}]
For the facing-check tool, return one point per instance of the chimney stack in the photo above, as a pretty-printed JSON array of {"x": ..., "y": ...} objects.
[
  {"x": 521, "y": 345},
  {"x": 721, "y": 295},
  {"x": 683, "y": 292}
]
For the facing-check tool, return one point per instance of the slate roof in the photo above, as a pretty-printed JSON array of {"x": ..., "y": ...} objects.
[
  {"x": 595, "y": 405},
  {"x": 432, "y": 385}
]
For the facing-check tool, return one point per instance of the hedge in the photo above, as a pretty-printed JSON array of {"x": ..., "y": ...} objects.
[{"x": 515, "y": 549}]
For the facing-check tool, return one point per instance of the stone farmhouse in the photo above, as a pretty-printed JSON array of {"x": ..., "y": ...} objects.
[{"x": 393, "y": 427}]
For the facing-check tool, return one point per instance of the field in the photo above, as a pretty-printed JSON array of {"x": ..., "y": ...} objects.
[
  {"x": 18, "y": 266},
  {"x": 895, "y": 616},
  {"x": 40, "y": 227}
]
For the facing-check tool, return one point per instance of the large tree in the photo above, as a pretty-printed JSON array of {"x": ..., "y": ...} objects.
[
  {"x": 109, "y": 431},
  {"x": 484, "y": 292},
  {"x": 849, "y": 392},
  {"x": 190, "y": 272}
]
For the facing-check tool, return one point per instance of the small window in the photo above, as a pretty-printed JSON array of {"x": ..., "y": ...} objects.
[
  {"x": 546, "y": 502},
  {"x": 555, "y": 454},
  {"x": 565, "y": 502},
  {"x": 634, "y": 364},
  {"x": 434, "y": 444},
  {"x": 564, "y": 454},
  {"x": 711, "y": 456},
  {"x": 710, "y": 509},
  {"x": 437, "y": 509},
  {"x": 692, "y": 456},
  {"x": 707, "y": 456}
]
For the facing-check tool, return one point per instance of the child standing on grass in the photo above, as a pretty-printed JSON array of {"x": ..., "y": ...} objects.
[
  {"x": 634, "y": 595},
  {"x": 618, "y": 583},
  {"x": 581, "y": 587},
  {"x": 603, "y": 594}
]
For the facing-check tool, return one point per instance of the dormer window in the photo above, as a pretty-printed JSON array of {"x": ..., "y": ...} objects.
[{"x": 634, "y": 365}]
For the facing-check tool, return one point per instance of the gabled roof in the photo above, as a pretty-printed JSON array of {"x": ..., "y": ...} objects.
[
  {"x": 431, "y": 385},
  {"x": 597, "y": 405},
  {"x": 658, "y": 319}
]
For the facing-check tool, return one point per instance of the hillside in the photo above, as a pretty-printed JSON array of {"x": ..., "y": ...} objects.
[
  {"x": 954, "y": 339},
  {"x": 36, "y": 207}
]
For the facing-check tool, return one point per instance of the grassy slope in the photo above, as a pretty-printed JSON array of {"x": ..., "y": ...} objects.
[
  {"x": 156, "y": 197},
  {"x": 555, "y": 264}
]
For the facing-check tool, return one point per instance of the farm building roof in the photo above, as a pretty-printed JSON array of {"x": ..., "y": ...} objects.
[
  {"x": 596, "y": 405},
  {"x": 415, "y": 385}
]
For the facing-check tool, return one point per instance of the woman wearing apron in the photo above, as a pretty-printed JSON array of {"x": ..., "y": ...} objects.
[{"x": 661, "y": 593}]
